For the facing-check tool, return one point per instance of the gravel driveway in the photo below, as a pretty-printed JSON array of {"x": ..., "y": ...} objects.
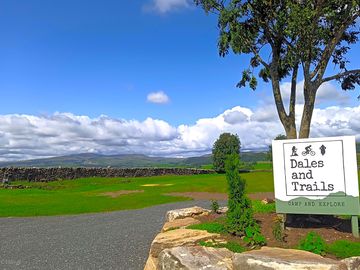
[{"x": 114, "y": 240}]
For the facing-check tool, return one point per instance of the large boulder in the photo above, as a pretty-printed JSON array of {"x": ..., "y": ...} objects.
[
  {"x": 186, "y": 212},
  {"x": 284, "y": 259},
  {"x": 180, "y": 237},
  {"x": 175, "y": 238},
  {"x": 151, "y": 263},
  {"x": 179, "y": 224},
  {"x": 352, "y": 263},
  {"x": 195, "y": 258}
]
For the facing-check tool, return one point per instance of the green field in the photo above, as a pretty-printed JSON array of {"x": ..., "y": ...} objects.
[
  {"x": 85, "y": 195},
  {"x": 263, "y": 166}
]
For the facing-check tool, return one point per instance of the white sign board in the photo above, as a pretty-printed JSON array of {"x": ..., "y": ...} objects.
[{"x": 316, "y": 176}]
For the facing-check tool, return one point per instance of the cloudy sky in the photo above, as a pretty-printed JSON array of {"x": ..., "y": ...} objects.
[{"x": 135, "y": 77}]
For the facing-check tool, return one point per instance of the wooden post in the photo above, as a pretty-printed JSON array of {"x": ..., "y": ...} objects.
[
  {"x": 355, "y": 226},
  {"x": 282, "y": 218}
]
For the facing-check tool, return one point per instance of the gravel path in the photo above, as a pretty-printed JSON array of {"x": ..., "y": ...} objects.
[{"x": 114, "y": 240}]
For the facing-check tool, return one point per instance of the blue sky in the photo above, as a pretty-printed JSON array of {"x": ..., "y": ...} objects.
[
  {"x": 91, "y": 58},
  {"x": 104, "y": 57}
]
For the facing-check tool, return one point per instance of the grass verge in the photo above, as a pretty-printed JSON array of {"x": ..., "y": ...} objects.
[{"x": 343, "y": 249}]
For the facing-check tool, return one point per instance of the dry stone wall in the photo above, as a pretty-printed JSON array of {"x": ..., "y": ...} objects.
[{"x": 53, "y": 174}]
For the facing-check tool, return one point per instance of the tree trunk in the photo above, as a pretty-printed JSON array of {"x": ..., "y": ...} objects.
[
  {"x": 309, "y": 95},
  {"x": 290, "y": 130},
  {"x": 287, "y": 120}
]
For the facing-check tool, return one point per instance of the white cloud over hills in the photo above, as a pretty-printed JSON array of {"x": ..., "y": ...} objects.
[{"x": 28, "y": 136}]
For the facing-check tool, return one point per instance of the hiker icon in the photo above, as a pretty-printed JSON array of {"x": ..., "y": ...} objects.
[
  {"x": 322, "y": 149},
  {"x": 308, "y": 151},
  {"x": 294, "y": 151}
]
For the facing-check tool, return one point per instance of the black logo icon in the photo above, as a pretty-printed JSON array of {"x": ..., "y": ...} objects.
[
  {"x": 322, "y": 149},
  {"x": 294, "y": 150},
  {"x": 308, "y": 151}
]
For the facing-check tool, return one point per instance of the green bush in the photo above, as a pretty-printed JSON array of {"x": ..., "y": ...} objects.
[
  {"x": 234, "y": 247},
  {"x": 239, "y": 219},
  {"x": 344, "y": 249},
  {"x": 259, "y": 207},
  {"x": 253, "y": 236},
  {"x": 313, "y": 243},
  {"x": 214, "y": 206},
  {"x": 240, "y": 213},
  {"x": 227, "y": 144}
]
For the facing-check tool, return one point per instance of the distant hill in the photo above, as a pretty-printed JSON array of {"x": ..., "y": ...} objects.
[
  {"x": 116, "y": 161},
  {"x": 125, "y": 161},
  {"x": 254, "y": 156}
]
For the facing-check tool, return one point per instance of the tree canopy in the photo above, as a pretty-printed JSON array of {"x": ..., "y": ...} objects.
[
  {"x": 227, "y": 144},
  {"x": 286, "y": 37},
  {"x": 278, "y": 137}
]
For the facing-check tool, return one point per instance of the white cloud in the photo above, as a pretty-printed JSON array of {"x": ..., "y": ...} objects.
[
  {"x": 164, "y": 6},
  {"x": 29, "y": 136},
  {"x": 327, "y": 93},
  {"x": 237, "y": 115},
  {"x": 158, "y": 97}
]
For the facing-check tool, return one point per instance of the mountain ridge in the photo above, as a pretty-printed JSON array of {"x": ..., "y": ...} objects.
[{"x": 124, "y": 161}]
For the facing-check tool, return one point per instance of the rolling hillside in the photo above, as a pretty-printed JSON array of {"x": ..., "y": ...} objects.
[
  {"x": 133, "y": 161},
  {"x": 125, "y": 161},
  {"x": 117, "y": 161}
]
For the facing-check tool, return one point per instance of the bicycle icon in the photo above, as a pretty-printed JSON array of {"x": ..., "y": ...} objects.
[{"x": 308, "y": 151}]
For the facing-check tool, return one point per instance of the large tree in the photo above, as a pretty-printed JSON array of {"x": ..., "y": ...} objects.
[
  {"x": 227, "y": 144},
  {"x": 288, "y": 39}
]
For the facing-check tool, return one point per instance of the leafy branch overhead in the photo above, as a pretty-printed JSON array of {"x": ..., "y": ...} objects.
[
  {"x": 285, "y": 37},
  {"x": 309, "y": 33}
]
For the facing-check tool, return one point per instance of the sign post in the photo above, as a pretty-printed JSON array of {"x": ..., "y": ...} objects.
[
  {"x": 355, "y": 226},
  {"x": 317, "y": 176}
]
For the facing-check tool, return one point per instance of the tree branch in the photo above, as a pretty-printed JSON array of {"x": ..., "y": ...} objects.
[
  {"x": 340, "y": 75},
  {"x": 293, "y": 91},
  {"x": 276, "y": 89},
  {"x": 256, "y": 53},
  {"x": 321, "y": 67},
  {"x": 259, "y": 58}
]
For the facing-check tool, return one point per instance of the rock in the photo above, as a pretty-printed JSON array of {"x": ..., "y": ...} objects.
[
  {"x": 175, "y": 238},
  {"x": 186, "y": 212},
  {"x": 5, "y": 181},
  {"x": 179, "y": 223},
  {"x": 352, "y": 263},
  {"x": 222, "y": 210},
  {"x": 267, "y": 201},
  {"x": 180, "y": 237},
  {"x": 283, "y": 259},
  {"x": 151, "y": 263},
  {"x": 195, "y": 258}
]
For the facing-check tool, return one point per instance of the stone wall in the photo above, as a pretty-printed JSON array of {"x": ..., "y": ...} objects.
[{"x": 52, "y": 174}]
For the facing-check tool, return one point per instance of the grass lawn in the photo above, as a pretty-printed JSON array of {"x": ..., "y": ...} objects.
[
  {"x": 263, "y": 166},
  {"x": 85, "y": 195}
]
